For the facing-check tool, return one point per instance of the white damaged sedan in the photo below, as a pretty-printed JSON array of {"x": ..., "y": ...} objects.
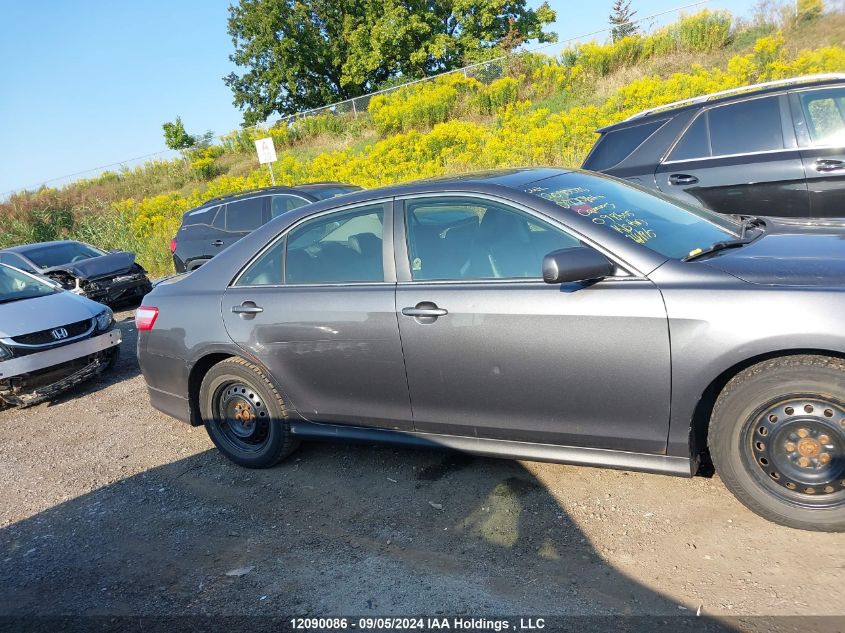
[{"x": 50, "y": 339}]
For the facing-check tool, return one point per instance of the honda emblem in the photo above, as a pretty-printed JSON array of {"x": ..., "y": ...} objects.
[{"x": 59, "y": 333}]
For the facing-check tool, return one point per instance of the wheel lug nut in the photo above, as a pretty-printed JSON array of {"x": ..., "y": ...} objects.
[
  {"x": 789, "y": 446},
  {"x": 824, "y": 439},
  {"x": 803, "y": 462},
  {"x": 803, "y": 432},
  {"x": 824, "y": 458}
]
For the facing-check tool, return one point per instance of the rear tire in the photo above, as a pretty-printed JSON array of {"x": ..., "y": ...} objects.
[
  {"x": 777, "y": 437},
  {"x": 244, "y": 414}
]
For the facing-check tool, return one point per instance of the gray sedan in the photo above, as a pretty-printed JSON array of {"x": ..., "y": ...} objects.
[{"x": 531, "y": 314}]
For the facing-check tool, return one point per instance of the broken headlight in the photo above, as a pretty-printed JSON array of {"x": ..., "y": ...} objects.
[{"x": 104, "y": 319}]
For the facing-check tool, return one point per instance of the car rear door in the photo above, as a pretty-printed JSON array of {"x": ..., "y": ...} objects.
[
  {"x": 493, "y": 351},
  {"x": 317, "y": 308},
  {"x": 819, "y": 116},
  {"x": 741, "y": 157}
]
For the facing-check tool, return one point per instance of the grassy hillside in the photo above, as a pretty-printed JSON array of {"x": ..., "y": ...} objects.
[{"x": 543, "y": 111}]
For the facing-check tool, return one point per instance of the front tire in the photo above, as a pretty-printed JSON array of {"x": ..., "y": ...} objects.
[
  {"x": 244, "y": 414},
  {"x": 777, "y": 438}
]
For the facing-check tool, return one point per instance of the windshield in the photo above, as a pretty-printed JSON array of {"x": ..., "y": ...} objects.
[
  {"x": 61, "y": 253},
  {"x": 16, "y": 285},
  {"x": 666, "y": 227}
]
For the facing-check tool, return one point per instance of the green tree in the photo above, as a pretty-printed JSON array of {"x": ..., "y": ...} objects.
[
  {"x": 621, "y": 20},
  {"x": 300, "y": 54},
  {"x": 175, "y": 136},
  {"x": 809, "y": 10}
]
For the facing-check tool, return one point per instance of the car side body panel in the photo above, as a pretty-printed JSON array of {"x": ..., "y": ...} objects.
[{"x": 717, "y": 324}]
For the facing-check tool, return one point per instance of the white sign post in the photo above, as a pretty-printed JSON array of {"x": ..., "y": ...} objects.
[{"x": 266, "y": 154}]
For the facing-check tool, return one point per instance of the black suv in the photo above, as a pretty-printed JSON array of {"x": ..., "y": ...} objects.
[
  {"x": 211, "y": 227},
  {"x": 776, "y": 148}
]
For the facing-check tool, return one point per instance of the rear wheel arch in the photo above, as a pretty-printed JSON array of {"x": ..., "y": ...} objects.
[
  {"x": 202, "y": 366},
  {"x": 700, "y": 424}
]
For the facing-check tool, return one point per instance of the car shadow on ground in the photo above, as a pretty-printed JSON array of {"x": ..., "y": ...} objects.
[{"x": 337, "y": 529}]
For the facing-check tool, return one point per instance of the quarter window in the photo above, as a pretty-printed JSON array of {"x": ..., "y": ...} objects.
[
  {"x": 244, "y": 215},
  {"x": 338, "y": 248},
  {"x": 616, "y": 145},
  {"x": 824, "y": 111},
  {"x": 473, "y": 238}
]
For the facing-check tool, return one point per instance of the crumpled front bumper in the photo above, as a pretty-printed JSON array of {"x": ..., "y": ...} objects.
[
  {"x": 115, "y": 289},
  {"x": 16, "y": 371}
]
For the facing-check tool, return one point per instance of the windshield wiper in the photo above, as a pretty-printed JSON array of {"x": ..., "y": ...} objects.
[
  {"x": 749, "y": 222},
  {"x": 716, "y": 246}
]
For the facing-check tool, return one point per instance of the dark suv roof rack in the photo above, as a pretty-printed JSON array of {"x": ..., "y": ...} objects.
[
  {"x": 806, "y": 79},
  {"x": 270, "y": 189}
]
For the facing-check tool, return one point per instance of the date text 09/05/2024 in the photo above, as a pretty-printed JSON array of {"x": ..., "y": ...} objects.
[{"x": 418, "y": 624}]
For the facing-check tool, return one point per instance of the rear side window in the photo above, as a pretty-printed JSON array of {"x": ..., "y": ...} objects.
[
  {"x": 200, "y": 216},
  {"x": 738, "y": 128},
  {"x": 749, "y": 126},
  {"x": 337, "y": 248},
  {"x": 824, "y": 111},
  {"x": 281, "y": 204},
  {"x": 244, "y": 215},
  {"x": 615, "y": 146}
]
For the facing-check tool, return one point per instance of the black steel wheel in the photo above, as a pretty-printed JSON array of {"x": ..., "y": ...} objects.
[
  {"x": 241, "y": 416},
  {"x": 777, "y": 437},
  {"x": 797, "y": 445},
  {"x": 244, "y": 414}
]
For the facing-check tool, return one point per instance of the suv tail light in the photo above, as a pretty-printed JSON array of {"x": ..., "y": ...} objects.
[
  {"x": 145, "y": 318},
  {"x": 172, "y": 245}
]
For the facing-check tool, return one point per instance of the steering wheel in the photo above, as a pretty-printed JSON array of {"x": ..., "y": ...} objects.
[{"x": 78, "y": 258}]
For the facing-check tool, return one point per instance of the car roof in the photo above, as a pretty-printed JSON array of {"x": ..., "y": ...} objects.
[
  {"x": 23, "y": 249},
  {"x": 304, "y": 188},
  {"x": 670, "y": 110}
]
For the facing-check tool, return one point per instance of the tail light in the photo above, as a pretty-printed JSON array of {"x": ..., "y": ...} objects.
[
  {"x": 145, "y": 318},
  {"x": 172, "y": 245}
]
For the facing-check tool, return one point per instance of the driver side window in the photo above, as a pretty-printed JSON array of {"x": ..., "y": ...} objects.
[{"x": 459, "y": 238}]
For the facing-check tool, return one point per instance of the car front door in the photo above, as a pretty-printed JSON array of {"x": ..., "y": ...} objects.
[
  {"x": 739, "y": 158},
  {"x": 819, "y": 116},
  {"x": 317, "y": 308},
  {"x": 492, "y": 351}
]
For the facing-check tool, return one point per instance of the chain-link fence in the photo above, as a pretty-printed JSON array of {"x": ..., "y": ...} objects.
[{"x": 486, "y": 72}]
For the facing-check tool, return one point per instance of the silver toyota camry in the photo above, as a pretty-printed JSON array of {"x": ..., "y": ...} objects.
[{"x": 535, "y": 314}]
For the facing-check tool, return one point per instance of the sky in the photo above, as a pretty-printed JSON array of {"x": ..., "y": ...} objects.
[{"x": 89, "y": 83}]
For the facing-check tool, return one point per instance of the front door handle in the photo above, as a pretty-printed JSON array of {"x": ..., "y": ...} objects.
[
  {"x": 247, "y": 309},
  {"x": 217, "y": 243},
  {"x": 682, "y": 179},
  {"x": 829, "y": 164},
  {"x": 425, "y": 309}
]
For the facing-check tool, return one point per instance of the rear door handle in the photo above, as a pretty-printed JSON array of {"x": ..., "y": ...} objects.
[
  {"x": 829, "y": 164},
  {"x": 682, "y": 179},
  {"x": 425, "y": 309},
  {"x": 247, "y": 308},
  {"x": 217, "y": 243}
]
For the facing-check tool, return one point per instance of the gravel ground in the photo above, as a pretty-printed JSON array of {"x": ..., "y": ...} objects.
[{"x": 112, "y": 508}]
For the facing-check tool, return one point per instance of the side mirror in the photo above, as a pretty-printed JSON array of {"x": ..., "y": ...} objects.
[{"x": 579, "y": 263}]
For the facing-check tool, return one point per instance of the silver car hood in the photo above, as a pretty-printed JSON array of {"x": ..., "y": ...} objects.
[{"x": 44, "y": 313}]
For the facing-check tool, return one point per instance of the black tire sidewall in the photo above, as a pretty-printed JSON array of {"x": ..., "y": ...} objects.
[
  {"x": 728, "y": 433},
  {"x": 278, "y": 443}
]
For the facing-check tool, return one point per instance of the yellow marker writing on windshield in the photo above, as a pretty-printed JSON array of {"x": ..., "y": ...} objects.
[{"x": 695, "y": 252}]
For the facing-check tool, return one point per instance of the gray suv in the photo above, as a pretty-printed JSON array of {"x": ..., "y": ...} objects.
[{"x": 775, "y": 149}]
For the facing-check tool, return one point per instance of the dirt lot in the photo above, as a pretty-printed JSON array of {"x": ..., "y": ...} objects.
[{"x": 110, "y": 507}]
